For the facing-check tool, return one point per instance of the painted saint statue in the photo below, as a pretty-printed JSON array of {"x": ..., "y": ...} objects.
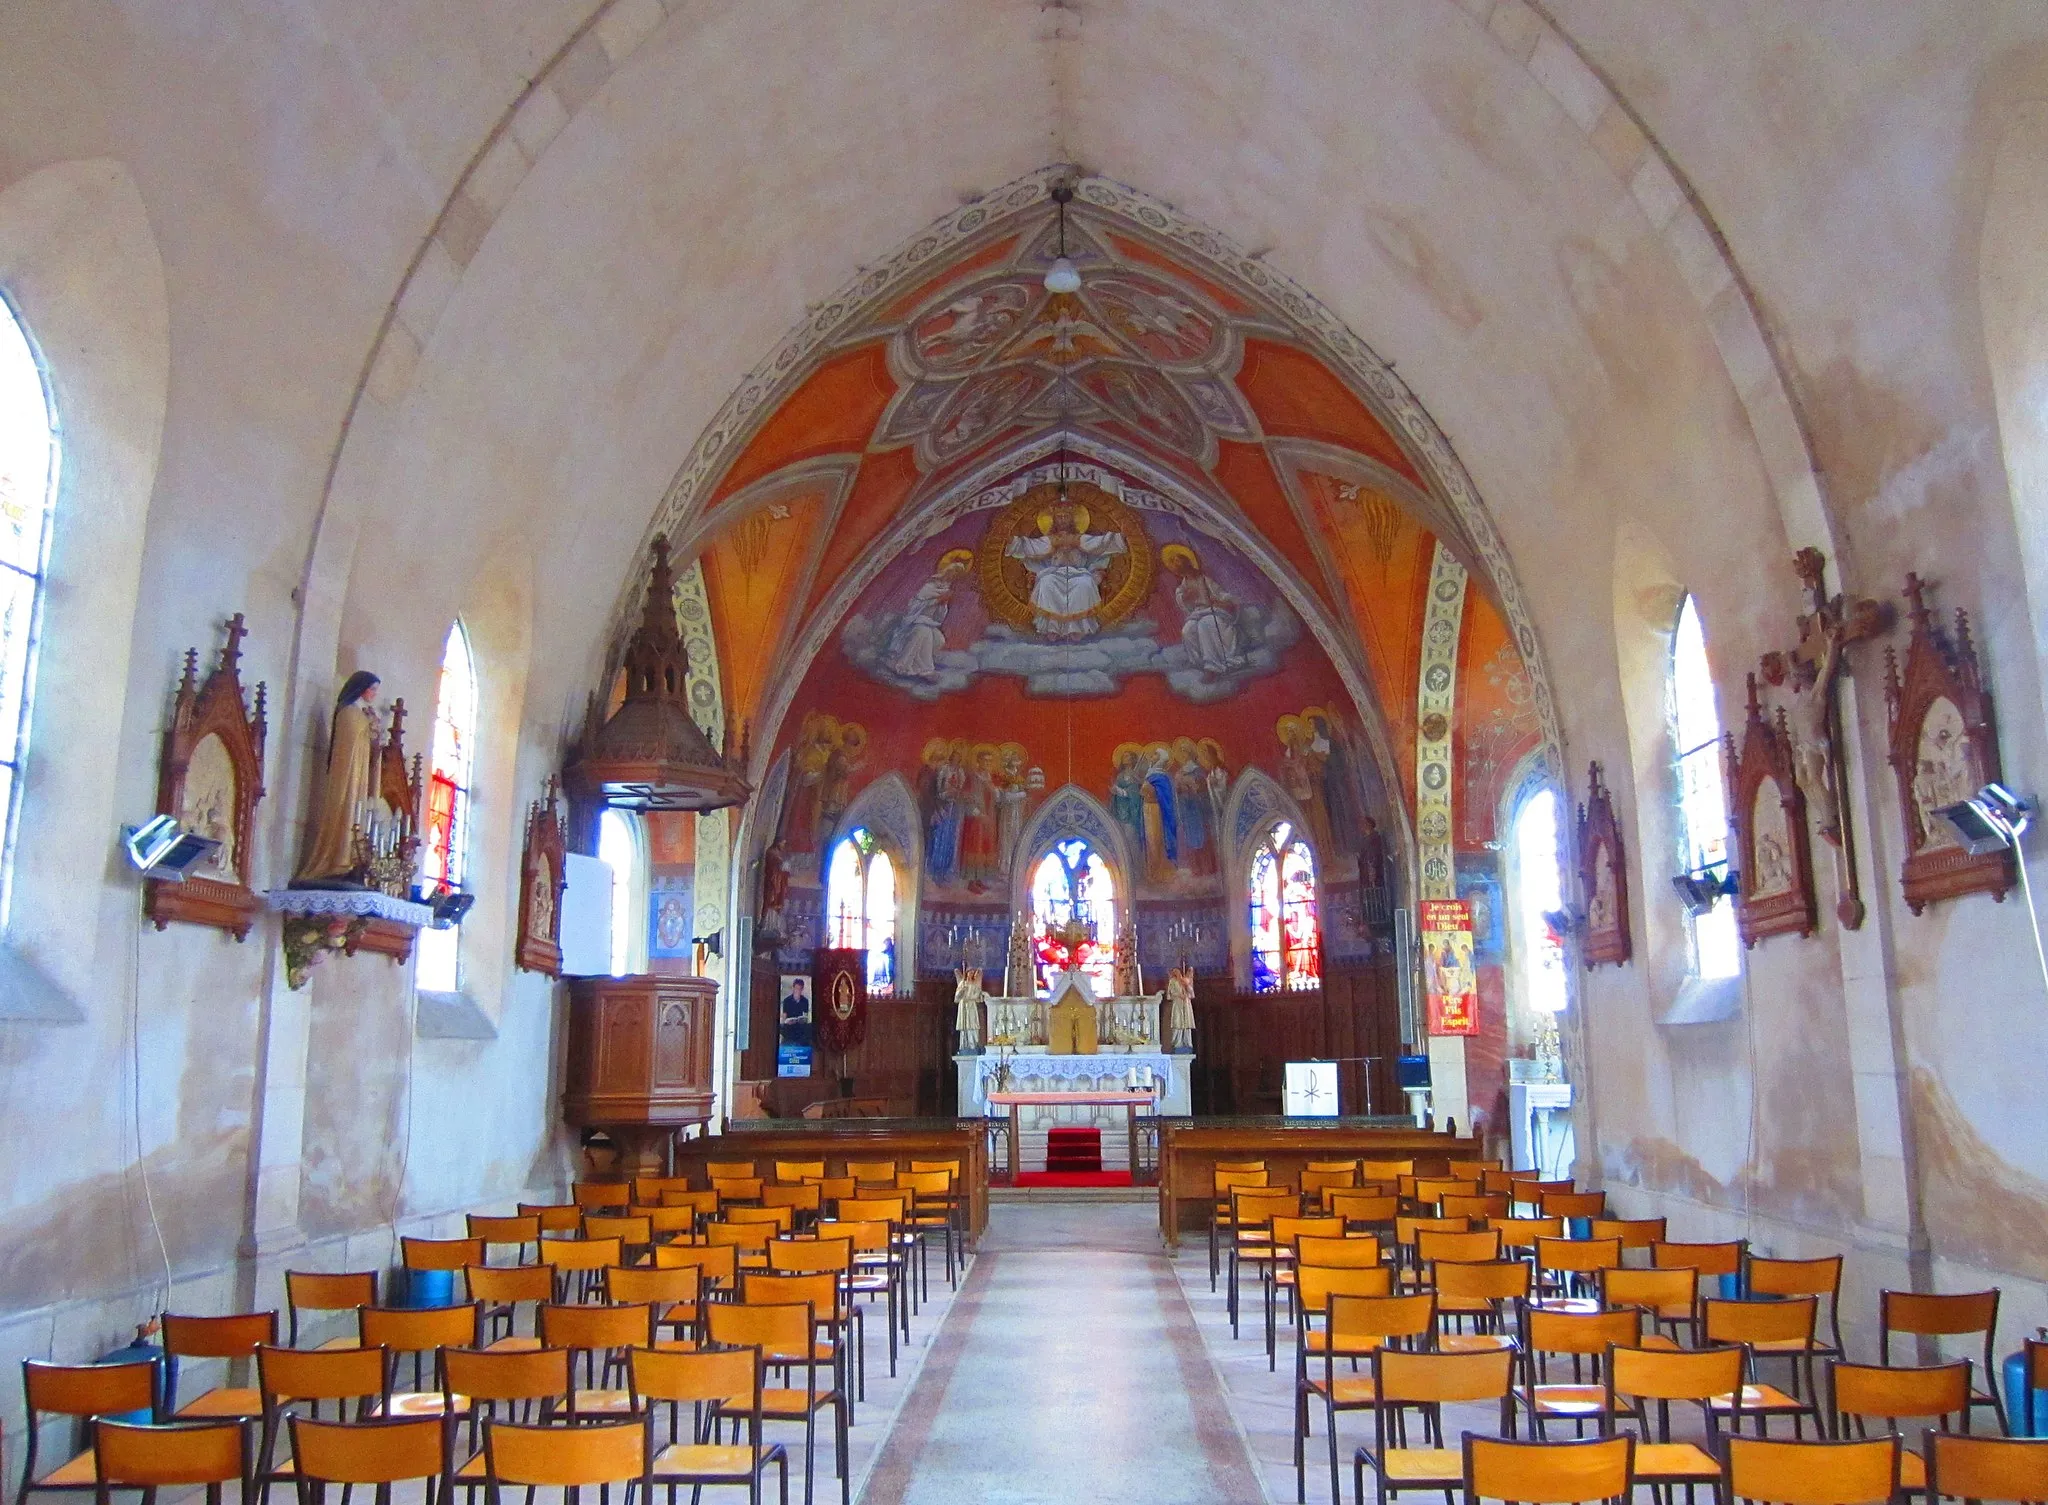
[
  {"x": 330, "y": 858},
  {"x": 1066, "y": 562}
]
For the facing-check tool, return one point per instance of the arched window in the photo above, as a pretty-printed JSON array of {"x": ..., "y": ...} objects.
[
  {"x": 28, "y": 483},
  {"x": 1538, "y": 894},
  {"x": 1072, "y": 882},
  {"x": 1702, "y": 797},
  {"x": 1287, "y": 943},
  {"x": 446, "y": 864},
  {"x": 860, "y": 905},
  {"x": 620, "y": 847}
]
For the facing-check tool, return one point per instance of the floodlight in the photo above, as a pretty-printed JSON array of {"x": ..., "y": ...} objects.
[
  {"x": 451, "y": 905},
  {"x": 1702, "y": 888},
  {"x": 1991, "y": 821},
  {"x": 165, "y": 850}
]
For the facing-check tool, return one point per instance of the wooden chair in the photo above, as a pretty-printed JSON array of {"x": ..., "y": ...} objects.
[
  {"x": 1810, "y": 1473},
  {"x": 1385, "y": 1170},
  {"x": 1708, "y": 1261},
  {"x": 1567, "y": 1267},
  {"x": 1368, "y": 1211},
  {"x": 1428, "y": 1191},
  {"x": 450, "y": 1254},
  {"x": 1773, "y": 1329},
  {"x": 1818, "y": 1278},
  {"x": 1670, "y": 1298},
  {"x": 1636, "y": 1377},
  {"x": 718, "y": 1264},
  {"x": 287, "y": 1378},
  {"x": 727, "y": 1385},
  {"x": 320, "y": 1291},
  {"x": 1478, "y": 1206},
  {"x": 781, "y": 1219},
  {"x": 878, "y": 1270},
  {"x": 1407, "y": 1229},
  {"x": 1530, "y": 1194},
  {"x": 230, "y": 1338},
  {"x": 824, "y": 1256},
  {"x": 1314, "y": 1182},
  {"x": 1504, "y": 1181},
  {"x": 675, "y": 1294},
  {"x": 1356, "y": 1327},
  {"x": 649, "y": 1190},
  {"x": 1315, "y": 1284},
  {"x": 726, "y": 1170},
  {"x": 666, "y": 1223},
  {"x": 703, "y": 1204},
  {"x": 737, "y": 1189},
  {"x": 500, "y": 1290},
  {"x": 1427, "y": 1382},
  {"x": 567, "y": 1458},
  {"x": 557, "y": 1219},
  {"x": 1558, "y": 1473},
  {"x": 1490, "y": 1294},
  {"x": 832, "y": 1188},
  {"x": 792, "y": 1172},
  {"x": 820, "y": 1291},
  {"x": 599, "y": 1336},
  {"x": 934, "y": 1210},
  {"x": 1634, "y": 1233},
  {"x": 1224, "y": 1183},
  {"x": 1985, "y": 1468},
  {"x": 1585, "y": 1338},
  {"x": 1252, "y": 1210},
  {"x": 521, "y": 1232},
  {"x": 1434, "y": 1246},
  {"x": 872, "y": 1172},
  {"x": 803, "y": 1199},
  {"x": 149, "y": 1458},
  {"x": 375, "y": 1454},
  {"x": 1572, "y": 1204},
  {"x": 1518, "y": 1235},
  {"x": 783, "y": 1334},
  {"x": 1921, "y": 1314},
  {"x": 1276, "y": 1258},
  {"x": 635, "y": 1235},
  {"x": 891, "y": 1207},
  {"x": 418, "y": 1331},
  {"x": 1886, "y": 1395},
  {"x": 596, "y": 1196},
  {"x": 84, "y": 1392},
  {"x": 579, "y": 1264},
  {"x": 530, "y": 1386}
]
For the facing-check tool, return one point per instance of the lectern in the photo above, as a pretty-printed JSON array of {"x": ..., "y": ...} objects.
[{"x": 639, "y": 1063}]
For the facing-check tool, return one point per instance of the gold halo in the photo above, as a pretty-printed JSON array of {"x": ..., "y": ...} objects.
[
  {"x": 853, "y": 737},
  {"x": 1123, "y": 749},
  {"x": 1172, "y": 555},
  {"x": 1006, "y": 585},
  {"x": 934, "y": 752},
  {"x": 1183, "y": 742},
  {"x": 1287, "y": 728},
  {"x": 956, "y": 558}
]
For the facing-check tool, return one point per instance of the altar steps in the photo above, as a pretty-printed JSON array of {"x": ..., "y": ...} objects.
[{"x": 1073, "y": 1148}]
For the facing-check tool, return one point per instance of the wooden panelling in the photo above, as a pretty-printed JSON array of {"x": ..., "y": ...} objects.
[
  {"x": 907, "y": 1057},
  {"x": 1244, "y": 1040}
]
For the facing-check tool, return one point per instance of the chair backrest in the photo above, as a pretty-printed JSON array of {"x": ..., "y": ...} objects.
[
  {"x": 567, "y": 1457},
  {"x": 1432, "y": 1189},
  {"x": 1362, "y": 1206},
  {"x": 1406, "y": 1229},
  {"x": 952, "y": 1167},
  {"x": 626, "y": 1325},
  {"x": 668, "y": 1222},
  {"x": 781, "y": 1219},
  {"x": 1667, "y": 1293},
  {"x": 817, "y": 1290},
  {"x": 520, "y": 1229},
  {"x": 1361, "y": 1251},
  {"x": 1240, "y": 1165},
  {"x": 233, "y": 1337},
  {"x": 1572, "y": 1204},
  {"x": 1708, "y": 1259},
  {"x": 1578, "y": 1256},
  {"x": 1404, "y": 1378},
  {"x": 832, "y": 1188},
  {"x": 207, "y": 1452},
  {"x": 923, "y": 1185},
  {"x": 592, "y": 1195},
  {"x": 872, "y": 1170},
  {"x": 285, "y": 1374},
  {"x": 1579, "y": 1332},
  {"x": 1432, "y": 1246},
  {"x": 649, "y": 1190},
  {"x": 1488, "y": 1280},
  {"x": 810, "y": 1256},
  {"x": 1314, "y": 1180},
  {"x": 794, "y": 1171},
  {"x": 1286, "y": 1230},
  {"x": 798, "y": 1196},
  {"x": 635, "y": 1231},
  {"x": 1695, "y": 1374},
  {"x": 636, "y": 1284},
  {"x": 504, "y": 1285},
  {"x": 729, "y": 1378},
  {"x": 418, "y": 1329},
  {"x": 1790, "y": 1320},
  {"x": 1474, "y": 1205},
  {"x": 1257, "y": 1206},
  {"x": 703, "y": 1203},
  {"x": 1556, "y": 1473},
  {"x": 1811, "y": 1473},
  {"x": 1925, "y": 1314},
  {"x": 90, "y": 1389},
  {"x": 507, "y": 1374},
  {"x": 727, "y": 1169},
  {"x": 581, "y": 1253},
  {"x": 719, "y": 1262},
  {"x": 1385, "y": 1170},
  {"x": 555, "y": 1217},
  {"x": 875, "y": 1207},
  {"x": 1634, "y": 1233},
  {"x": 384, "y": 1451},
  {"x": 1872, "y": 1392},
  {"x": 1986, "y": 1468},
  {"x": 1522, "y": 1233},
  {"x": 1794, "y": 1277},
  {"x": 1316, "y": 1284},
  {"x": 754, "y": 1237},
  {"x": 1359, "y": 1323},
  {"x": 440, "y": 1253},
  {"x": 320, "y": 1291},
  {"x": 737, "y": 1188},
  {"x": 772, "y": 1328},
  {"x": 871, "y": 1237}
]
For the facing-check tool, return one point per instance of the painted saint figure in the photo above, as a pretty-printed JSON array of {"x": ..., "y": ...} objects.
[
  {"x": 1067, "y": 563},
  {"x": 1162, "y": 822},
  {"x": 920, "y": 633},
  {"x": 330, "y": 860},
  {"x": 1208, "y": 614}
]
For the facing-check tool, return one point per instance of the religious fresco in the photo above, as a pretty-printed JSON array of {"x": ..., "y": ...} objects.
[{"x": 1495, "y": 726}]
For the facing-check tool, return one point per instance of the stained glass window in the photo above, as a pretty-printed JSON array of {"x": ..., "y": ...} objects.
[
  {"x": 1538, "y": 893},
  {"x": 28, "y": 482},
  {"x": 860, "y": 905},
  {"x": 1072, "y": 882},
  {"x": 1702, "y": 796},
  {"x": 445, "y": 861},
  {"x": 1287, "y": 941},
  {"x": 620, "y": 848}
]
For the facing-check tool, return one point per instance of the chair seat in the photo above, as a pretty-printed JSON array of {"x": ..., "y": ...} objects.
[
  {"x": 1675, "y": 1463},
  {"x": 1785, "y": 1346},
  {"x": 79, "y": 1473},
  {"x": 1429, "y": 1468},
  {"x": 512, "y": 1345},
  {"x": 789, "y": 1405},
  {"x": 474, "y": 1469},
  {"x": 703, "y": 1460},
  {"x": 1760, "y": 1399},
  {"x": 1570, "y": 1400},
  {"x": 405, "y": 1403},
  {"x": 1573, "y": 1304},
  {"x": 1473, "y": 1342},
  {"x": 224, "y": 1402},
  {"x": 1317, "y": 1341},
  {"x": 1346, "y": 1391},
  {"x": 603, "y": 1403},
  {"x": 861, "y": 1283}
]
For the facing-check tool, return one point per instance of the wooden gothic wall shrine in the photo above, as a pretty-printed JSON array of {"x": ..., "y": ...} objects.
[
  {"x": 209, "y": 780},
  {"x": 1773, "y": 854},
  {"x": 1814, "y": 667},
  {"x": 543, "y": 865},
  {"x": 1603, "y": 877},
  {"x": 1944, "y": 748}
]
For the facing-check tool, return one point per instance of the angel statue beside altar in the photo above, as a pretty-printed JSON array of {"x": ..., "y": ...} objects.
[
  {"x": 1180, "y": 1007},
  {"x": 968, "y": 994}
]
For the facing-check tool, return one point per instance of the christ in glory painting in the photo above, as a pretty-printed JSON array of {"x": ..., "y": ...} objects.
[{"x": 1066, "y": 562}]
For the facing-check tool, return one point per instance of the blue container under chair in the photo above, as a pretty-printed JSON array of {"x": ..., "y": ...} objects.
[
  {"x": 2015, "y": 1376},
  {"x": 138, "y": 1351},
  {"x": 424, "y": 1288},
  {"x": 1730, "y": 1285},
  {"x": 1578, "y": 1227}
]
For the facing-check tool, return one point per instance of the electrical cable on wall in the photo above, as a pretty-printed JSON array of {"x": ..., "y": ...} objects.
[{"x": 135, "y": 1084}]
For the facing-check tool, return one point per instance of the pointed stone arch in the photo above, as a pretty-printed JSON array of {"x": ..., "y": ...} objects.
[
  {"x": 1072, "y": 811},
  {"x": 1255, "y": 804}
]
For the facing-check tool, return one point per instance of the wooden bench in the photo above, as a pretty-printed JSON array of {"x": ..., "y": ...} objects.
[
  {"x": 1190, "y": 1148},
  {"x": 838, "y": 1140}
]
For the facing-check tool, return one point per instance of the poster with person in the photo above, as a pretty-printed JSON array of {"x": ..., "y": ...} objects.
[
  {"x": 793, "y": 1028},
  {"x": 1448, "y": 977}
]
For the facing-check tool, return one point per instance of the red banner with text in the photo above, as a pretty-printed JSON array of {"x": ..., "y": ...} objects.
[{"x": 1449, "y": 980}]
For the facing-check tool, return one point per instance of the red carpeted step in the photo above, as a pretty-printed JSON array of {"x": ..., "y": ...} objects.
[{"x": 1073, "y": 1150}]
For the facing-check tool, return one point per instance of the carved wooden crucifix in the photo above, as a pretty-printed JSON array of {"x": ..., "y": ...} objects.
[{"x": 1813, "y": 668}]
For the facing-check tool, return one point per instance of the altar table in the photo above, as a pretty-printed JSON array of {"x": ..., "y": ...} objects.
[{"x": 1130, "y": 1102}]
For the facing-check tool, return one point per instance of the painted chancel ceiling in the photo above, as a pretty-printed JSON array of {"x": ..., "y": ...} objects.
[{"x": 1161, "y": 378}]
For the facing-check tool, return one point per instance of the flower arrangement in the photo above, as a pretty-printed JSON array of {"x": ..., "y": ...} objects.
[{"x": 1067, "y": 947}]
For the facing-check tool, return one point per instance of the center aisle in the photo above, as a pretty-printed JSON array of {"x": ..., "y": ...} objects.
[{"x": 1069, "y": 1368}]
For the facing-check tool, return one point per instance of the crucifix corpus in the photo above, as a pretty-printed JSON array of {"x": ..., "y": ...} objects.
[{"x": 1813, "y": 668}]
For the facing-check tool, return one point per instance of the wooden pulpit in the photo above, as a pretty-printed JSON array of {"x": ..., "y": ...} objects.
[{"x": 639, "y": 1062}]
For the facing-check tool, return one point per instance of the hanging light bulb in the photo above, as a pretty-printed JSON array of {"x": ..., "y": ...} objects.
[{"x": 1063, "y": 276}]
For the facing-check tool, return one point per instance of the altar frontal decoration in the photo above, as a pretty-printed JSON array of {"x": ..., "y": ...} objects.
[
  {"x": 842, "y": 1013},
  {"x": 1452, "y": 985}
]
